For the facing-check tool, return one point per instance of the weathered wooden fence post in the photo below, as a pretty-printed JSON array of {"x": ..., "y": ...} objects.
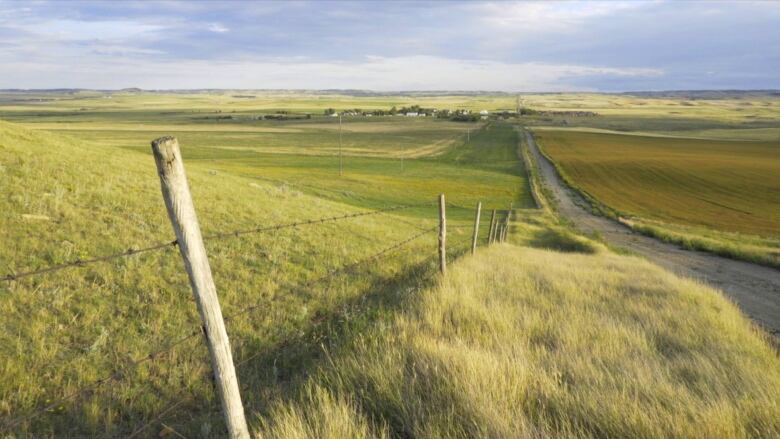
[
  {"x": 442, "y": 235},
  {"x": 181, "y": 211},
  {"x": 476, "y": 228},
  {"x": 506, "y": 223},
  {"x": 492, "y": 232}
]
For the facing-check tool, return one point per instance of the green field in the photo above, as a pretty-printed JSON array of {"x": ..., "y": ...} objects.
[
  {"x": 79, "y": 181},
  {"x": 76, "y": 198},
  {"x": 714, "y": 189}
]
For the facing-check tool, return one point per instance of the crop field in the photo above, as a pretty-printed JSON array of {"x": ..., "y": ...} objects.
[{"x": 688, "y": 186}]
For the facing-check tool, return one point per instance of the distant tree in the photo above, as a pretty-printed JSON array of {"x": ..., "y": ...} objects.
[{"x": 329, "y": 111}]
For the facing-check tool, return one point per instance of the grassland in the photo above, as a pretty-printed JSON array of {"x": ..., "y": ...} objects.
[
  {"x": 535, "y": 343},
  {"x": 721, "y": 196},
  {"x": 74, "y": 199},
  {"x": 386, "y": 349}
]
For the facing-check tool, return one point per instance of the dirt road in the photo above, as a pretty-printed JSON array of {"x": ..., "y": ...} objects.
[{"x": 756, "y": 289}]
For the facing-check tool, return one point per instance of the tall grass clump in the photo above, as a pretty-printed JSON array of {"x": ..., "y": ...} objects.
[{"x": 535, "y": 343}]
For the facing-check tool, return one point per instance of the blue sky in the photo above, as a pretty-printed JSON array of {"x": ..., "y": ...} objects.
[{"x": 388, "y": 46}]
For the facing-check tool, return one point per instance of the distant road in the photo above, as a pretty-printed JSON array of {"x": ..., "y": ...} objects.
[{"x": 756, "y": 289}]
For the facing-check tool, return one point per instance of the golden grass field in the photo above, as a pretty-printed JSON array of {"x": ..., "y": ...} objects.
[{"x": 518, "y": 342}]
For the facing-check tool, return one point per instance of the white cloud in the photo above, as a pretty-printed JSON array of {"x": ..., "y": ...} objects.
[
  {"x": 217, "y": 27},
  {"x": 77, "y": 30},
  {"x": 547, "y": 16},
  {"x": 375, "y": 73}
]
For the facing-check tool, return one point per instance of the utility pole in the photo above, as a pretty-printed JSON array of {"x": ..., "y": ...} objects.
[{"x": 341, "y": 163}]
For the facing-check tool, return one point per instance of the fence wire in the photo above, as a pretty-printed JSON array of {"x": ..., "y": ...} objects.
[
  {"x": 184, "y": 396},
  {"x": 153, "y": 356},
  {"x": 130, "y": 252}
]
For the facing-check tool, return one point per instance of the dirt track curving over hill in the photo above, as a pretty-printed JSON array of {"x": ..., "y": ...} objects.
[{"x": 756, "y": 289}]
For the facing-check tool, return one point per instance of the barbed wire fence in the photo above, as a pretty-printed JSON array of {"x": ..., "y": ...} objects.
[{"x": 162, "y": 352}]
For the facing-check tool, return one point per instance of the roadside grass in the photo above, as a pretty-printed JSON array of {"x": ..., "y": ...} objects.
[
  {"x": 536, "y": 343},
  {"x": 759, "y": 250},
  {"x": 716, "y": 196},
  {"x": 70, "y": 199}
]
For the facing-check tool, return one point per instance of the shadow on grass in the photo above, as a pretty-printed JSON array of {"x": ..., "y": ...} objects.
[
  {"x": 277, "y": 371},
  {"x": 268, "y": 370},
  {"x": 562, "y": 240}
]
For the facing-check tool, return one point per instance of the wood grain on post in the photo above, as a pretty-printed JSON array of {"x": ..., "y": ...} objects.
[
  {"x": 492, "y": 232},
  {"x": 442, "y": 236},
  {"x": 476, "y": 229},
  {"x": 181, "y": 211}
]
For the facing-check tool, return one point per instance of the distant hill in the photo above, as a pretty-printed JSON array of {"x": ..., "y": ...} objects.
[
  {"x": 705, "y": 94},
  {"x": 677, "y": 94}
]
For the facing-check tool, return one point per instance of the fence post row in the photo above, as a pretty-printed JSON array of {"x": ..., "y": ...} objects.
[
  {"x": 442, "y": 235},
  {"x": 476, "y": 229},
  {"x": 181, "y": 211}
]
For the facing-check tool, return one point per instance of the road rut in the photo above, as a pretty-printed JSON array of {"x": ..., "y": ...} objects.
[{"x": 754, "y": 288}]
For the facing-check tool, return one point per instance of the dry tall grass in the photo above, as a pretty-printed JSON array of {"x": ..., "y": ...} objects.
[{"x": 534, "y": 343}]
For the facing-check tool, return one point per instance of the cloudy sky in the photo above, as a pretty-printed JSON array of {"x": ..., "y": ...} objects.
[{"x": 509, "y": 46}]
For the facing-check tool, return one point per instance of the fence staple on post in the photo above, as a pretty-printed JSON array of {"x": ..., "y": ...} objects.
[
  {"x": 181, "y": 211},
  {"x": 442, "y": 235},
  {"x": 476, "y": 228}
]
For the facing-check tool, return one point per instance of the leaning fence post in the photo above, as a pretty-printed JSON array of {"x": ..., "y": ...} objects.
[
  {"x": 492, "y": 233},
  {"x": 442, "y": 235},
  {"x": 181, "y": 211},
  {"x": 476, "y": 229}
]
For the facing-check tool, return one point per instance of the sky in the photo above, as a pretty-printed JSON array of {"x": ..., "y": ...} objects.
[{"x": 391, "y": 46}]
